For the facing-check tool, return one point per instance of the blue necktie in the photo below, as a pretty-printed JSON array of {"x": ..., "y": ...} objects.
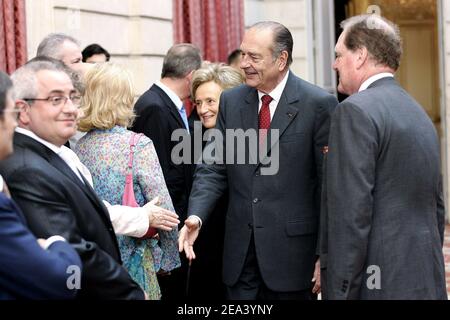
[{"x": 184, "y": 117}]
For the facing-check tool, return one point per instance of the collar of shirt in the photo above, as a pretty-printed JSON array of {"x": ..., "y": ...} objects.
[
  {"x": 1, "y": 183},
  {"x": 172, "y": 95},
  {"x": 275, "y": 94},
  {"x": 374, "y": 78}
]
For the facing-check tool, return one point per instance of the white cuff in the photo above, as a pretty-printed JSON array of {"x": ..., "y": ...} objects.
[
  {"x": 200, "y": 222},
  {"x": 52, "y": 240},
  {"x": 128, "y": 221}
]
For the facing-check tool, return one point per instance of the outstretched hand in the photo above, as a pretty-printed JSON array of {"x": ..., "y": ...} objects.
[
  {"x": 187, "y": 236},
  {"x": 161, "y": 218}
]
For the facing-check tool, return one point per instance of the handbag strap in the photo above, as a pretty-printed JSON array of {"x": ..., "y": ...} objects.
[{"x": 133, "y": 142}]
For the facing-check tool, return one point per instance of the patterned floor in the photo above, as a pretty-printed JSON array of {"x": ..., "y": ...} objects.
[{"x": 447, "y": 257}]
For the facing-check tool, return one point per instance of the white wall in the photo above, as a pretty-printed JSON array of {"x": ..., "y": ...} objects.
[{"x": 137, "y": 33}]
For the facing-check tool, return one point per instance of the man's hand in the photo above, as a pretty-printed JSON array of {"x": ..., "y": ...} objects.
[
  {"x": 161, "y": 218},
  {"x": 316, "y": 278},
  {"x": 188, "y": 235}
]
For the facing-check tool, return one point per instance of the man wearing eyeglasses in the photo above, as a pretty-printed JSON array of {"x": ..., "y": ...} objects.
[{"x": 47, "y": 184}]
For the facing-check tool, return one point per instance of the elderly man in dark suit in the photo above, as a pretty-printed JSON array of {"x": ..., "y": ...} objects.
[
  {"x": 46, "y": 183},
  {"x": 272, "y": 218},
  {"x": 383, "y": 217}
]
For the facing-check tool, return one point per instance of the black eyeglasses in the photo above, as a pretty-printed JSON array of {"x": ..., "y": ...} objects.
[{"x": 57, "y": 101}]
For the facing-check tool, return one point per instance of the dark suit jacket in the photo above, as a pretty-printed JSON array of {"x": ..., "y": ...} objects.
[
  {"x": 206, "y": 271},
  {"x": 55, "y": 201},
  {"x": 26, "y": 270},
  {"x": 384, "y": 216},
  {"x": 157, "y": 117},
  {"x": 281, "y": 210}
]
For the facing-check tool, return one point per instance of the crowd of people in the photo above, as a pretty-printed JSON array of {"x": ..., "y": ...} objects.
[{"x": 94, "y": 203}]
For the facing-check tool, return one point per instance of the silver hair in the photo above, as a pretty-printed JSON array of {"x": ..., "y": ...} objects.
[
  {"x": 24, "y": 78},
  {"x": 50, "y": 46},
  {"x": 180, "y": 60},
  {"x": 282, "y": 38}
]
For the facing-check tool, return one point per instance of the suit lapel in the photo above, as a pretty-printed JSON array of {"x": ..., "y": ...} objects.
[
  {"x": 249, "y": 116},
  {"x": 59, "y": 164},
  {"x": 170, "y": 105},
  {"x": 283, "y": 117},
  {"x": 285, "y": 112}
]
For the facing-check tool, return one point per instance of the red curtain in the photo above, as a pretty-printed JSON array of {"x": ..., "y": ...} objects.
[
  {"x": 13, "y": 40},
  {"x": 215, "y": 26}
]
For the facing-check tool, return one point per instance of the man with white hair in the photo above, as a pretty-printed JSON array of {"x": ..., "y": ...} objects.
[{"x": 62, "y": 47}]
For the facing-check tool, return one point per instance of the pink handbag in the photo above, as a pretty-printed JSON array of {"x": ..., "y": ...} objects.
[{"x": 128, "y": 198}]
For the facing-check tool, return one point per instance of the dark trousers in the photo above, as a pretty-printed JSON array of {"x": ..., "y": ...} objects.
[
  {"x": 250, "y": 285},
  {"x": 173, "y": 286}
]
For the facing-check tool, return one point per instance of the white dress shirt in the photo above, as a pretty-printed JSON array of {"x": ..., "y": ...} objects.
[
  {"x": 128, "y": 221},
  {"x": 275, "y": 94}
]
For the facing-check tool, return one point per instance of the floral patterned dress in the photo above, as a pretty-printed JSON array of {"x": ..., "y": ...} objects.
[{"x": 105, "y": 153}]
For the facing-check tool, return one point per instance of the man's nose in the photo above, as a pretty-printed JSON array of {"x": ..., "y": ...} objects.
[
  {"x": 334, "y": 66},
  {"x": 244, "y": 62}
]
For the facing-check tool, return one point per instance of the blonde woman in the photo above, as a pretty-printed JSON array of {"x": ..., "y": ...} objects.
[
  {"x": 107, "y": 112},
  {"x": 208, "y": 82}
]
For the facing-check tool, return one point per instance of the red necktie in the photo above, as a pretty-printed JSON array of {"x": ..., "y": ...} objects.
[{"x": 264, "y": 117}]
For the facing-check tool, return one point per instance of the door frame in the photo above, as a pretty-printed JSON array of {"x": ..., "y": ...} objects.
[{"x": 443, "y": 104}]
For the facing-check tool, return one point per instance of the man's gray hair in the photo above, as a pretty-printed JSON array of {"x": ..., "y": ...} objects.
[
  {"x": 51, "y": 45},
  {"x": 180, "y": 60},
  {"x": 282, "y": 38},
  {"x": 24, "y": 78},
  {"x": 380, "y": 36}
]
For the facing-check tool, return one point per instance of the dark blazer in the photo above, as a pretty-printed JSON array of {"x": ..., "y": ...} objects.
[
  {"x": 55, "y": 201},
  {"x": 384, "y": 211},
  {"x": 157, "y": 117},
  {"x": 281, "y": 210},
  {"x": 26, "y": 270},
  {"x": 206, "y": 271}
]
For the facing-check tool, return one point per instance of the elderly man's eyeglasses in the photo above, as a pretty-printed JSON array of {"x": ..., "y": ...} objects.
[{"x": 58, "y": 101}]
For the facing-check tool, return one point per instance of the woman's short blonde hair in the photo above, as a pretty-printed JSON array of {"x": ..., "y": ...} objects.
[
  {"x": 108, "y": 98},
  {"x": 225, "y": 76}
]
